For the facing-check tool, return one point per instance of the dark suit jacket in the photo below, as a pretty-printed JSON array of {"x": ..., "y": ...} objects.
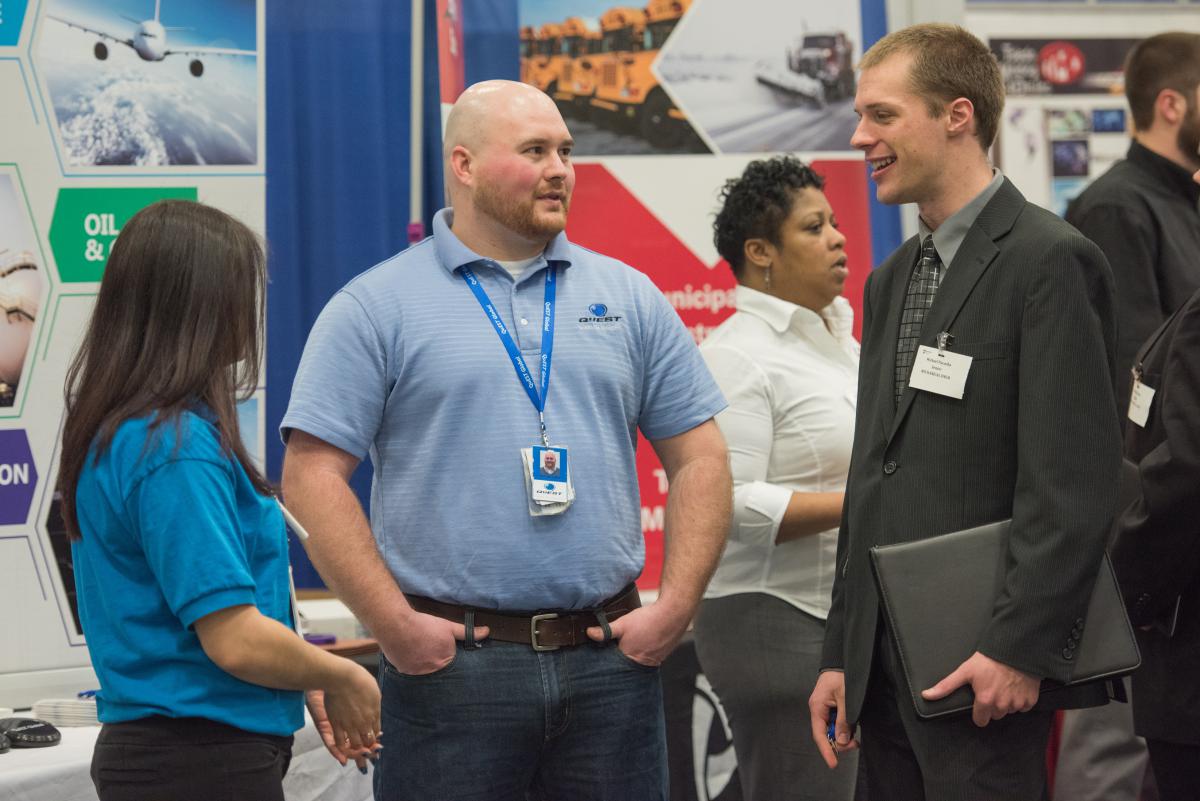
[
  {"x": 1157, "y": 551},
  {"x": 1035, "y": 436}
]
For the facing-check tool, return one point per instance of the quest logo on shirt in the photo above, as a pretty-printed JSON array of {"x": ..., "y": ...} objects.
[{"x": 598, "y": 314}]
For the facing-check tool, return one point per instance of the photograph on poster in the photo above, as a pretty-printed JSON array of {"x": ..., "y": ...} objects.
[
  {"x": 1108, "y": 120},
  {"x": 766, "y": 76},
  {"x": 60, "y": 545},
  {"x": 597, "y": 60},
  {"x": 1069, "y": 157},
  {"x": 1067, "y": 123},
  {"x": 22, "y": 287},
  {"x": 1063, "y": 191},
  {"x": 1062, "y": 66},
  {"x": 248, "y": 412},
  {"x": 180, "y": 87}
]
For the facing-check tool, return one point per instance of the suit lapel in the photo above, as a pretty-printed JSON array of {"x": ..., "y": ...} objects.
[{"x": 977, "y": 252}]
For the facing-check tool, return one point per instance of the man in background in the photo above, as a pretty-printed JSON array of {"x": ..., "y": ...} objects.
[{"x": 1143, "y": 211}]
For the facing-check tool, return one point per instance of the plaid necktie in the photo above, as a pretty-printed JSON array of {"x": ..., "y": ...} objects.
[{"x": 922, "y": 286}]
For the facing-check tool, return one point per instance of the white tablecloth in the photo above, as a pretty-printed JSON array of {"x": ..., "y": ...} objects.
[{"x": 61, "y": 772}]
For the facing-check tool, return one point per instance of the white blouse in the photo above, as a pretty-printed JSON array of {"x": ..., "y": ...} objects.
[{"x": 790, "y": 376}]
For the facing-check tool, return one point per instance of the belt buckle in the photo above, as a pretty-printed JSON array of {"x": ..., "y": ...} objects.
[{"x": 533, "y": 632}]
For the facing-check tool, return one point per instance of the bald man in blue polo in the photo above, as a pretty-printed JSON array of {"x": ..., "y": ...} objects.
[{"x": 518, "y": 662}]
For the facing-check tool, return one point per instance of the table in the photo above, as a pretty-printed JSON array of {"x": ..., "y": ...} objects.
[{"x": 62, "y": 772}]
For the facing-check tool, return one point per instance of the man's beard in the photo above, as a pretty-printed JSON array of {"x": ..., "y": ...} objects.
[
  {"x": 1189, "y": 136},
  {"x": 522, "y": 217}
]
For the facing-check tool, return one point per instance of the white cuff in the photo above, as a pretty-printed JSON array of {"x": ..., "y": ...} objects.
[{"x": 758, "y": 509}]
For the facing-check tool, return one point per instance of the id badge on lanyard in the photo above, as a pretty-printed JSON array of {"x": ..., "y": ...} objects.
[{"x": 546, "y": 468}]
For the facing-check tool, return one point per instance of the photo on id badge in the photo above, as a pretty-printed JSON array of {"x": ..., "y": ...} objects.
[{"x": 549, "y": 464}]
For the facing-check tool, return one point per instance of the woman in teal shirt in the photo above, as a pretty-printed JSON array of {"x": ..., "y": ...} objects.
[{"x": 181, "y": 559}]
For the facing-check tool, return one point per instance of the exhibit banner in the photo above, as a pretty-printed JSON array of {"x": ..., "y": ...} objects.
[
  {"x": 668, "y": 101},
  {"x": 109, "y": 105},
  {"x": 1066, "y": 120}
]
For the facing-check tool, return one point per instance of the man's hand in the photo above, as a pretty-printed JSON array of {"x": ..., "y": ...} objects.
[
  {"x": 828, "y": 695},
  {"x": 315, "y": 700},
  {"x": 421, "y": 644},
  {"x": 999, "y": 689},
  {"x": 646, "y": 635}
]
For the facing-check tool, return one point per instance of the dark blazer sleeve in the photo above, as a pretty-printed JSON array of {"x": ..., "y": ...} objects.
[
  {"x": 833, "y": 654},
  {"x": 1068, "y": 455},
  {"x": 1157, "y": 552}
]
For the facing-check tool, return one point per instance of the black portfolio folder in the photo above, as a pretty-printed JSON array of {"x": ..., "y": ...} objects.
[{"x": 939, "y": 593}]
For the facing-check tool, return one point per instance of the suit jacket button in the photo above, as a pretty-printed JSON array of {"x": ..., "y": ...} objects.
[
  {"x": 1079, "y": 622},
  {"x": 1068, "y": 654},
  {"x": 889, "y": 467}
]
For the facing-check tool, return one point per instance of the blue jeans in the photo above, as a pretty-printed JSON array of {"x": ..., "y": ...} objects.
[{"x": 507, "y": 723}]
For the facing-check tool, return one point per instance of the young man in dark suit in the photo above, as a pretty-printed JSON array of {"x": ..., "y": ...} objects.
[{"x": 1031, "y": 432}]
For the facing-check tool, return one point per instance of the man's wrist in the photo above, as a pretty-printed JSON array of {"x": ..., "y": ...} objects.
[{"x": 675, "y": 607}]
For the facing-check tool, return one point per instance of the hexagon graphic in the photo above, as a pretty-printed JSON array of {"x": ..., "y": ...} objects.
[
  {"x": 596, "y": 59},
  {"x": 12, "y": 15},
  {"x": 150, "y": 83},
  {"x": 23, "y": 287},
  {"x": 18, "y": 477},
  {"x": 86, "y": 221}
]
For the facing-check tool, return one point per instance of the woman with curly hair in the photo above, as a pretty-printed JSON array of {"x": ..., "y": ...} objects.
[{"x": 788, "y": 364}]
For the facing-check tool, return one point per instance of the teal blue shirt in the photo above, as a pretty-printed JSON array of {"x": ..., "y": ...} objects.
[{"x": 173, "y": 530}]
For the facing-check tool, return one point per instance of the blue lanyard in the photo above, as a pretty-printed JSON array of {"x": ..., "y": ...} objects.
[{"x": 514, "y": 353}]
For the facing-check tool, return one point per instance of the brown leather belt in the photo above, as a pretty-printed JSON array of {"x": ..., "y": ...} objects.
[{"x": 544, "y": 631}]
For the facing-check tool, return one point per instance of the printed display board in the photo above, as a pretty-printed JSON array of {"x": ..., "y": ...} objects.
[
  {"x": 109, "y": 105},
  {"x": 1065, "y": 119}
]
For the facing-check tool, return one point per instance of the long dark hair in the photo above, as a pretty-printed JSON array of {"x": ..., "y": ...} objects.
[{"x": 178, "y": 322}]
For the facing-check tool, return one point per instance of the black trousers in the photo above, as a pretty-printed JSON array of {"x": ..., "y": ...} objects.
[
  {"x": 946, "y": 759},
  {"x": 1176, "y": 769},
  {"x": 188, "y": 759}
]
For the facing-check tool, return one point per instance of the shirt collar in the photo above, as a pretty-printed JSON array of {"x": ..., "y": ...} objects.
[
  {"x": 949, "y": 236},
  {"x": 783, "y": 315},
  {"x": 452, "y": 253},
  {"x": 1174, "y": 178}
]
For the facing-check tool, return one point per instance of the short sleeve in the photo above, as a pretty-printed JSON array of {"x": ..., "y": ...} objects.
[
  {"x": 342, "y": 382},
  {"x": 185, "y": 512},
  {"x": 678, "y": 392}
]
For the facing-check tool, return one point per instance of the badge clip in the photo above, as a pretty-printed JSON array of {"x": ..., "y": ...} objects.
[{"x": 944, "y": 339}]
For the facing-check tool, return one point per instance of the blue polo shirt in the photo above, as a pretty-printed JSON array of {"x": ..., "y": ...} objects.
[
  {"x": 172, "y": 531},
  {"x": 403, "y": 365}
]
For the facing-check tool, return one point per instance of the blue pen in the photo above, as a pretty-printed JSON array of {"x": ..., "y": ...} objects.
[{"x": 832, "y": 733}]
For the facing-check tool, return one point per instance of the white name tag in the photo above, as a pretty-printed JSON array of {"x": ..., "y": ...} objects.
[
  {"x": 1139, "y": 402},
  {"x": 942, "y": 372}
]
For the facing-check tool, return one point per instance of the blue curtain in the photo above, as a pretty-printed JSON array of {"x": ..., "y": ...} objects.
[{"x": 337, "y": 173}]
